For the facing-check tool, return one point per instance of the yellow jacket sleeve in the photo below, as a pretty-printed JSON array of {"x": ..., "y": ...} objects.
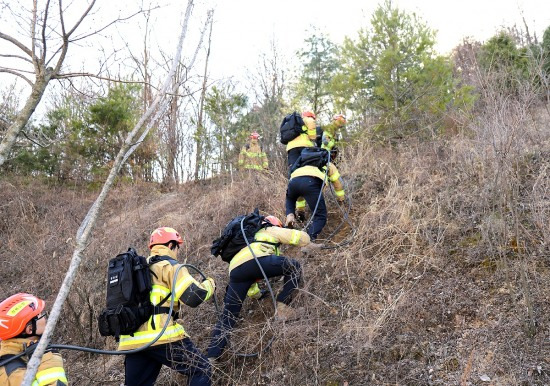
[
  {"x": 336, "y": 180},
  {"x": 188, "y": 290},
  {"x": 289, "y": 236}
]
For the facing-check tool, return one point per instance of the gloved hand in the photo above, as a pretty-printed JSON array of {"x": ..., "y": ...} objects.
[
  {"x": 289, "y": 223},
  {"x": 209, "y": 285}
]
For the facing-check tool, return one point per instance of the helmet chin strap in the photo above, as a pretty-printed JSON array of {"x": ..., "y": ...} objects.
[{"x": 33, "y": 326}]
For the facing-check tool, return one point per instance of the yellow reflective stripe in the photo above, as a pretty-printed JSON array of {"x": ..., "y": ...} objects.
[
  {"x": 339, "y": 193},
  {"x": 144, "y": 337},
  {"x": 308, "y": 170},
  {"x": 244, "y": 255},
  {"x": 295, "y": 237},
  {"x": 47, "y": 376},
  {"x": 334, "y": 177},
  {"x": 249, "y": 166},
  {"x": 160, "y": 291},
  {"x": 182, "y": 284},
  {"x": 300, "y": 141},
  {"x": 253, "y": 154},
  {"x": 300, "y": 204}
]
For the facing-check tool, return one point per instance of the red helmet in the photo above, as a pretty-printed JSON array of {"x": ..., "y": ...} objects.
[
  {"x": 308, "y": 114},
  {"x": 254, "y": 135},
  {"x": 16, "y": 312},
  {"x": 163, "y": 235},
  {"x": 273, "y": 221},
  {"x": 339, "y": 117}
]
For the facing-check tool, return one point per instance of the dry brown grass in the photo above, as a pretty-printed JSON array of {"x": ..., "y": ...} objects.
[{"x": 444, "y": 281}]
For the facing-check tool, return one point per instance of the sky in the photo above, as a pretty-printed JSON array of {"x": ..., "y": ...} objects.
[{"x": 243, "y": 28}]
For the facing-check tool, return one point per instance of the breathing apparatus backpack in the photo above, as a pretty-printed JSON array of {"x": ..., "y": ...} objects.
[
  {"x": 232, "y": 239},
  {"x": 291, "y": 127},
  {"x": 128, "y": 295},
  {"x": 311, "y": 156}
]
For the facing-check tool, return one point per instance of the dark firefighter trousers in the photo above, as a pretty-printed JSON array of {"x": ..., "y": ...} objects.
[
  {"x": 142, "y": 368},
  {"x": 310, "y": 188},
  {"x": 240, "y": 280}
]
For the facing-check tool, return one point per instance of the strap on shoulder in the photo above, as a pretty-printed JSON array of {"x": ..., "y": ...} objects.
[{"x": 13, "y": 364}]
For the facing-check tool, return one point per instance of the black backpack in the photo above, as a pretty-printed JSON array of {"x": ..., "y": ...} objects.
[
  {"x": 291, "y": 127},
  {"x": 311, "y": 156},
  {"x": 128, "y": 295},
  {"x": 319, "y": 136},
  {"x": 232, "y": 240}
]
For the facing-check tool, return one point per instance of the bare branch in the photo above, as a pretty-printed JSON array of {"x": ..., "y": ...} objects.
[
  {"x": 79, "y": 20},
  {"x": 106, "y": 26},
  {"x": 61, "y": 19},
  {"x": 44, "y": 30},
  {"x": 16, "y": 56},
  {"x": 33, "y": 35},
  {"x": 16, "y": 73},
  {"x": 36, "y": 141},
  {"x": 16, "y": 42},
  {"x": 90, "y": 75}
]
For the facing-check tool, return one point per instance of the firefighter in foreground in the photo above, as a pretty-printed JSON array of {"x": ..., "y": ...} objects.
[
  {"x": 244, "y": 274},
  {"x": 308, "y": 180},
  {"x": 174, "y": 348},
  {"x": 22, "y": 322},
  {"x": 252, "y": 156}
]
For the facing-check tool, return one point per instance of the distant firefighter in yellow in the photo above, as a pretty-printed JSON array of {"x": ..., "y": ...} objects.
[{"x": 252, "y": 155}]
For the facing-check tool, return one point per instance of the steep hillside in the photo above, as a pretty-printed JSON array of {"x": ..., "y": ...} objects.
[{"x": 444, "y": 281}]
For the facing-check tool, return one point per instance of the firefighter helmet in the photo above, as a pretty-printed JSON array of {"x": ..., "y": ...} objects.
[
  {"x": 274, "y": 221},
  {"x": 16, "y": 312},
  {"x": 164, "y": 235}
]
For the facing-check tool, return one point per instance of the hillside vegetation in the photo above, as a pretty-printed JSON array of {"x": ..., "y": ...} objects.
[{"x": 443, "y": 283}]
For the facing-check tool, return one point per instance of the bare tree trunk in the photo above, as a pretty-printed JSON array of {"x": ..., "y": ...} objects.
[
  {"x": 172, "y": 146},
  {"x": 88, "y": 224},
  {"x": 37, "y": 55},
  {"x": 24, "y": 115},
  {"x": 199, "y": 133}
]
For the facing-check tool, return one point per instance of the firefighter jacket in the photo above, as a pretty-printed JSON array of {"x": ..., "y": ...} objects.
[
  {"x": 266, "y": 242},
  {"x": 187, "y": 291},
  {"x": 50, "y": 370},
  {"x": 307, "y": 138},
  {"x": 333, "y": 175},
  {"x": 252, "y": 156},
  {"x": 329, "y": 135}
]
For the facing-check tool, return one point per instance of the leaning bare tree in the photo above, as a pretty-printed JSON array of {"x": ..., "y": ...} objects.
[
  {"x": 134, "y": 138},
  {"x": 39, "y": 57}
]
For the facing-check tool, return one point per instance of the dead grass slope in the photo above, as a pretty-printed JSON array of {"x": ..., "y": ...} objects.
[{"x": 444, "y": 283}]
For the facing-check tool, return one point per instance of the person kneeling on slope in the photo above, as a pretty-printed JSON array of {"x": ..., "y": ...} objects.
[
  {"x": 22, "y": 322},
  {"x": 174, "y": 348},
  {"x": 244, "y": 272}
]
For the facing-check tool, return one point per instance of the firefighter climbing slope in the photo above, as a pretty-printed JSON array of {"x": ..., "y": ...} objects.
[
  {"x": 309, "y": 175},
  {"x": 174, "y": 348},
  {"x": 265, "y": 234}
]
